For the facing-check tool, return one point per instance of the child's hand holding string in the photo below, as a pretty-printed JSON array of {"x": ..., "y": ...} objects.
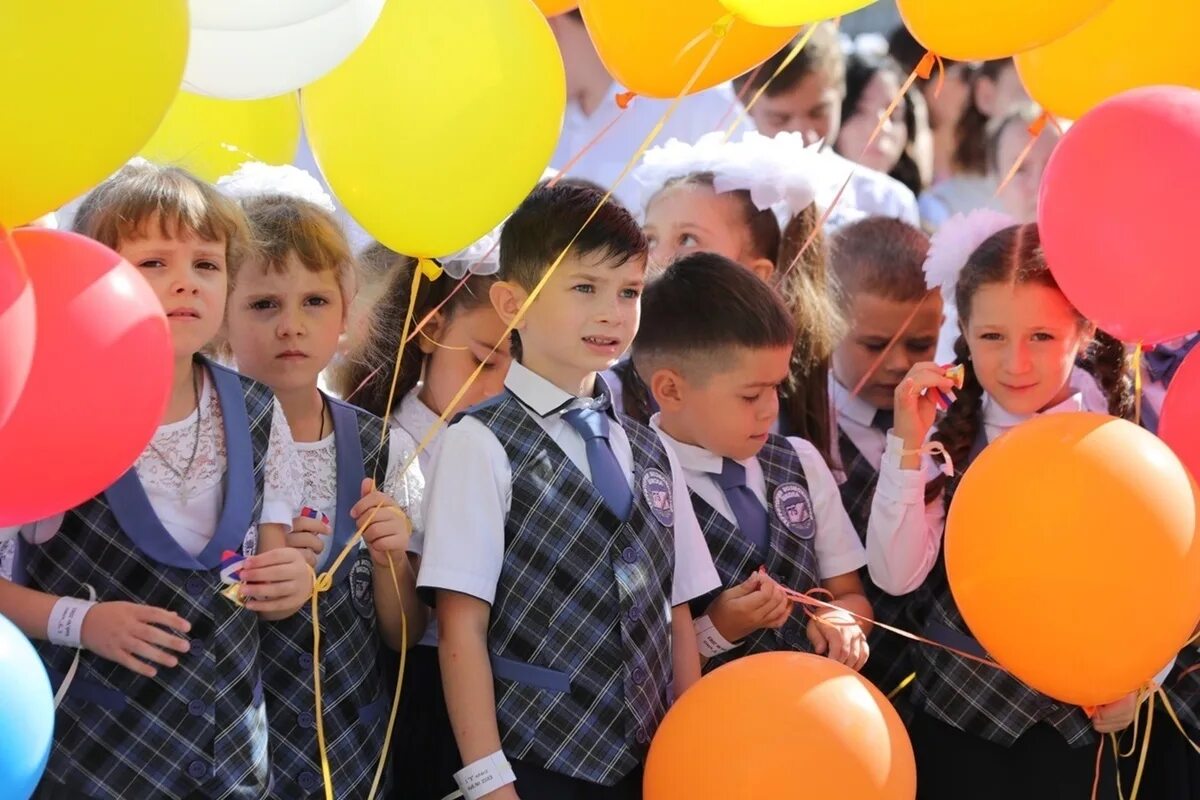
[
  {"x": 1116, "y": 716},
  {"x": 836, "y": 634},
  {"x": 277, "y": 583},
  {"x": 389, "y": 531},
  {"x": 133, "y": 635},
  {"x": 758, "y": 602},
  {"x": 305, "y": 537},
  {"x": 915, "y": 405}
]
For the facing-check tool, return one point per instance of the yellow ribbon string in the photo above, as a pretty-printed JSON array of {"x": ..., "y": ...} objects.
[
  {"x": 430, "y": 270},
  {"x": 387, "y": 737},
  {"x": 1035, "y": 131},
  {"x": 1166, "y": 701},
  {"x": 791, "y": 56},
  {"x": 912, "y": 676}
]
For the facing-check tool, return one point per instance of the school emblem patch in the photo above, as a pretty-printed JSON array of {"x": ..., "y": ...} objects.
[
  {"x": 656, "y": 489},
  {"x": 794, "y": 509},
  {"x": 250, "y": 541},
  {"x": 361, "y": 594}
]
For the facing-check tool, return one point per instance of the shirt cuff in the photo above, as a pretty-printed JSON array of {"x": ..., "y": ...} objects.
[
  {"x": 898, "y": 485},
  {"x": 431, "y": 579},
  {"x": 276, "y": 512},
  {"x": 841, "y": 565}
]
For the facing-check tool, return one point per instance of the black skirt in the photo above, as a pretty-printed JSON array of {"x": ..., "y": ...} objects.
[
  {"x": 953, "y": 765},
  {"x": 424, "y": 753},
  {"x": 1172, "y": 770}
]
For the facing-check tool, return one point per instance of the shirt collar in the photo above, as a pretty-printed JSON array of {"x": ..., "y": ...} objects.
[
  {"x": 853, "y": 408},
  {"x": 545, "y": 399},
  {"x": 691, "y": 457},
  {"x": 998, "y": 417}
]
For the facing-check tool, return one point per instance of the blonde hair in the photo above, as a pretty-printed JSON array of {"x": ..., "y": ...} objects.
[
  {"x": 282, "y": 225},
  {"x": 124, "y": 207}
]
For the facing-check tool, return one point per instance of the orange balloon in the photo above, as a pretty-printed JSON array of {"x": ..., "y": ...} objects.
[
  {"x": 552, "y": 8},
  {"x": 973, "y": 30},
  {"x": 781, "y": 725},
  {"x": 1073, "y": 555},
  {"x": 641, "y": 42}
]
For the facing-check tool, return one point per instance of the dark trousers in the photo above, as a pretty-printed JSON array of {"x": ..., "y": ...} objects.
[
  {"x": 538, "y": 783},
  {"x": 424, "y": 753},
  {"x": 953, "y": 765}
]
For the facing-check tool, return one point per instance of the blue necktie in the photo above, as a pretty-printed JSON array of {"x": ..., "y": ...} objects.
[
  {"x": 747, "y": 509},
  {"x": 884, "y": 419},
  {"x": 1163, "y": 362},
  {"x": 607, "y": 475}
]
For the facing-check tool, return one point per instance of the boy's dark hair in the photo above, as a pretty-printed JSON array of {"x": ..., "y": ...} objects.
[
  {"x": 880, "y": 256},
  {"x": 553, "y": 217},
  {"x": 822, "y": 54},
  {"x": 702, "y": 307}
]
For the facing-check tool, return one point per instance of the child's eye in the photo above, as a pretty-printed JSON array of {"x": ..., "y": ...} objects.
[
  {"x": 584, "y": 288},
  {"x": 991, "y": 337},
  {"x": 688, "y": 240},
  {"x": 631, "y": 294},
  {"x": 262, "y": 305},
  {"x": 316, "y": 301},
  {"x": 152, "y": 263},
  {"x": 752, "y": 398},
  {"x": 652, "y": 241},
  {"x": 208, "y": 265},
  {"x": 875, "y": 347},
  {"x": 1043, "y": 337}
]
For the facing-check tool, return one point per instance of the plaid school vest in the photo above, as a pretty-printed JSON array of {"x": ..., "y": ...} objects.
[
  {"x": 981, "y": 700},
  {"x": 891, "y": 659},
  {"x": 791, "y": 558},
  {"x": 580, "y": 630},
  {"x": 198, "y": 729},
  {"x": 1184, "y": 690},
  {"x": 354, "y": 700}
]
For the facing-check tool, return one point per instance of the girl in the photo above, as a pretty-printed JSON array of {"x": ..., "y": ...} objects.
[
  {"x": 167, "y": 700},
  {"x": 982, "y": 728},
  {"x": 994, "y": 92},
  {"x": 287, "y": 309},
  {"x": 872, "y": 82},
  {"x": 435, "y": 364},
  {"x": 1007, "y": 142},
  {"x": 729, "y": 199}
]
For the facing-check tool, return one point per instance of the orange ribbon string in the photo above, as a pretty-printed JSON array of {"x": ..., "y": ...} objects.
[{"x": 1035, "y": 130}]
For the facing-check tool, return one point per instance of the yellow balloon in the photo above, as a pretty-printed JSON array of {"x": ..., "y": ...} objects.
[
  {"x": 552, "y": 8},
  {"x": 641, "y": 42},
  {"x": 781, "y": 13},
  {"x": 441, "y": 122},
  {"x": 84, "y": 86},
  {"x": 211, "y": 137},
  {"x": 969, "y": 30},
  {"x": 1130, "y": 44}
]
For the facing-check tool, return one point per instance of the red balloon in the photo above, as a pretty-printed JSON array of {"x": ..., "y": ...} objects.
[
  {"x": 1118, "y": 210},
  {"x": 16, "y": 327},
  {"x": 100, "y": 381},
  {"x": 1179, "y": 422}
]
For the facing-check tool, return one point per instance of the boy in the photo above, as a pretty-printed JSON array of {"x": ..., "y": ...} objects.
[
  {"x": 806, "y": 98},
  {"x": 562, "y": 585},
  {"x": 716, "y": 343},
  {"x": 877, "y": 266}
]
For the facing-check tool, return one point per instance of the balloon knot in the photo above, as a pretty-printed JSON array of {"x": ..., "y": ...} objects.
[
  {"x": 430, "y": 269},
  {"x": 722, "y": 26},
  {"x": 926, "y": 65},
  {"x": 624, "y": 99},
  {"x": 1039, "y": 124}
]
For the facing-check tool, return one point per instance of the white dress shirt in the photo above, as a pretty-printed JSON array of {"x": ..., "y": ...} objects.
[
  {"x": 838, "y": 548},
  {"x": 904, "y": 534},
  {"x": 470, "y": 493}
]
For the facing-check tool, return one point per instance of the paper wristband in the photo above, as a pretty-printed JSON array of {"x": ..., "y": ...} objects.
[
  {"x": 484, "y": 776},
  {"x": 65, "y": 625},
  {"x": 709, "y": 640}
]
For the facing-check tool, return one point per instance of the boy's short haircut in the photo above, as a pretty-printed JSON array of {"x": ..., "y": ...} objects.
[
  {"x": 822, "y": 55},
  {"x": 880, "y": 256},
  {"x": 703, "y": 309},
  {"x": 549, "y": 219}
]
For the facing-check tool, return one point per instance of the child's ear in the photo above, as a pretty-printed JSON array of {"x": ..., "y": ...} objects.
[
  {"x": 764, "y": 268},
  {"x": 431, "y": 333},
  {"x": 508, "y": 298},
  {"x": 669, "y": 389}
]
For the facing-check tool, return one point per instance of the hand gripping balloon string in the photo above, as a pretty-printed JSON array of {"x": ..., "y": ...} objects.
[{"x": 432, "y": 271}]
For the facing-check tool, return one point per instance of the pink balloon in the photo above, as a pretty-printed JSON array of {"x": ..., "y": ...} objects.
[
  {"x": 16, "y": 327},
  {"x": 100, "y": 381},
  {"x": 1179, "y": 422},
  {"x": 1118, "y": 214}
]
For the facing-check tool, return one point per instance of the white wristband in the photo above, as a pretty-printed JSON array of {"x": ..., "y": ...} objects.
[
  {"x": 709, "y": 640},
  {"x": 485, "y": 776},
  {"x": 66, "y": 619}
]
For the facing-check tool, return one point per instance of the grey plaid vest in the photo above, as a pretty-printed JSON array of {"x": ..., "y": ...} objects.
[
  {"x": 580, "y": 630},
  {"x": 199, "y": 729},
  {"x": 981, "y": 700},
  {"x": 891, "y": 658},
  {"x": 354, "y": 700},
  {"x": 791, "y": 558}
]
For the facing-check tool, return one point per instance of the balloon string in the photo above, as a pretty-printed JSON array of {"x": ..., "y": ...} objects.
[
  {"x": 739, "y": 98},
  {"x": 1136, "y": 367},
  {"x": 1035, "y": 131},
  {"x": 622, "y": 105},
  {"x": 387, "y": 738},
  {"x": 1174, "y": 717},
  {"x": 791, "y": 56},
  {"x": 316, "y": 654}
]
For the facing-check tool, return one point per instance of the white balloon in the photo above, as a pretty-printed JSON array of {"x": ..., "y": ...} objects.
[
  {"x": 253, "y": 64},
  {"x": 255, "y": 15}
]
